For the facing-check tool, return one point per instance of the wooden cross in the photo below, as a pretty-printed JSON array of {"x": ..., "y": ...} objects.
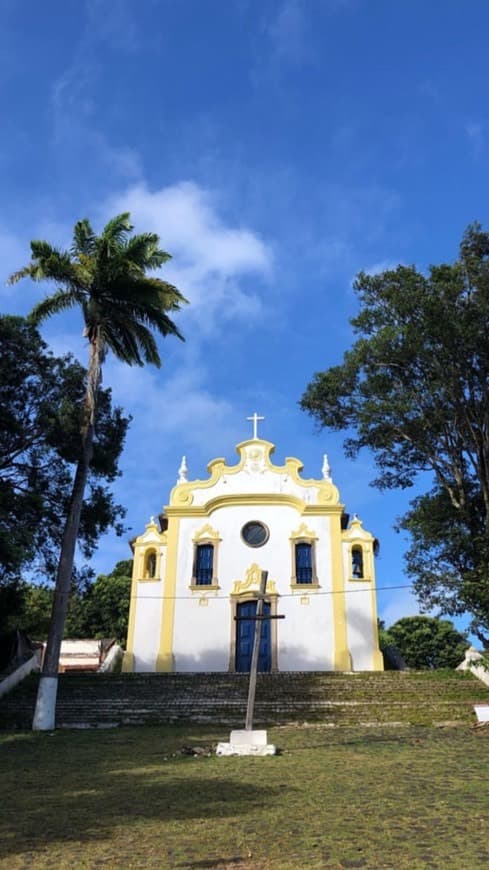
[
  {"x": 256, "y": 649},
  {"x": 254, "y": 419}
]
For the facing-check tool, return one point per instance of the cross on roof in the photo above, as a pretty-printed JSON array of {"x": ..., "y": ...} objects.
[{"x": 254, "y": 419}]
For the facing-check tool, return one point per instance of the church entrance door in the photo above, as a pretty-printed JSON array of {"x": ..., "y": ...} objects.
[{"x": 245, "y": 633}]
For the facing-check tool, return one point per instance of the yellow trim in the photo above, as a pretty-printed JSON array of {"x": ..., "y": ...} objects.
[
  {"x": 252, "y": 451},
  {"x": 206, "y": 535},
  {"x": 204, "y": 587},
  {"x": 356, "y": 535},
  {"x": 165, "y": 658},
  {"x": 342, "y": 657},
  {"x": 305, "y": 586},
  {"x": 252, "y": 582},
  {"x": 253, "y": 499},
  {"x": 128, "y": 660},
  {"x": 303, "y": 535},
  {"x": 377, "y": 657}
]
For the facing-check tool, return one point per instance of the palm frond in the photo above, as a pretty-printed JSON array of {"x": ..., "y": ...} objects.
[
  {"x": 42, "y": 250},
  {"x": 62, "y": 300},
  {"x": 117, "y": 229},
  {"x": 143, "y": 251},
  {"x": 83, "y": 238},
  {"x": 48, "y": 263},
  {"x": 25, "y": 272},
  {"x": 124, "y": 342},
  {"x": 149, "y": 291}
]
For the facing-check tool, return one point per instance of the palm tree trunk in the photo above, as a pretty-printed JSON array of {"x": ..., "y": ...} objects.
[{"x": 45, "y": 712}]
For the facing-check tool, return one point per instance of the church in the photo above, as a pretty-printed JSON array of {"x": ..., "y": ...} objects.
[{"x": 197, "y": 573}]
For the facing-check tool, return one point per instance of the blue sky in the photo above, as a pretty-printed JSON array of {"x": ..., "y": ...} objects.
[{"x": 277, "y": 147}]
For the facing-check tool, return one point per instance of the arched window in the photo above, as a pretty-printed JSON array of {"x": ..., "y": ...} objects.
[
  {"x": 204, "y": 564},
  {"x": 150, "y": 564},
  {"x": 303, "y": 562},
  {"x": 357, "y": 562}
]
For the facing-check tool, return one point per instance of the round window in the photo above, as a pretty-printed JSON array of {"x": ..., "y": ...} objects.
[{"x": 255, "y": 534}]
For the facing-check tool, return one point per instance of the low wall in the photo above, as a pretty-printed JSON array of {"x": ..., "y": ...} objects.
[{"x": 32, "y": 664}]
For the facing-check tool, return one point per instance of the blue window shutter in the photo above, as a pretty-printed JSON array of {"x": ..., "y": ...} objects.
[
  {"x": 303, "y": 563},
  {"x": 204, "y": 564}
]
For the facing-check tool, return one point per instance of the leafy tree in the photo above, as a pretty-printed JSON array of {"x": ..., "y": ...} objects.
[
  {"x": 426, "y": 642},
  {"x": 448, "y": 557},
  {"x": 101, "y": 610},
  {"x": 34, "y": 612},
  {"x": 97, "y": 609},
  {"x": 40, "y": 397},
  {"x": 106, "y": 277},
  {"x": 414, "y": 389}
]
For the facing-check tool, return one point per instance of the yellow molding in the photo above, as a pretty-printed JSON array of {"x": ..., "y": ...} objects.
[
  {"x": 252, "y": 582},
  {"x": 128, "y": 661},
  {"x": 255, "y": 450},
  {"x": 342, "y": 657},
  {"x": 304, "y": 587},
  {"x": 202, "y": 588},
  {"x": 304, "y": 534},
  {"x": 250, "y": 499},
  {"x": 377, "y": 657},
  {"x": 165, "y": 658},
  {"x": 206, "y": 533}
]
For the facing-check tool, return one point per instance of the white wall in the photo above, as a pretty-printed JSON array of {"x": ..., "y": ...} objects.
[
  {"x": 148, "y": 624},
  {"x": 203, "y": 634}
]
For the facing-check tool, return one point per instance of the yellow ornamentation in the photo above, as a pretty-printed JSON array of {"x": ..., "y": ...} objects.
[
  {"x": 182, "y": 496},
  {"x": 303, "y": 532},
  {"x": 206, "y": 533},
  {"x": 328, "y": 494},
  {"x": 253, "y": 580}
]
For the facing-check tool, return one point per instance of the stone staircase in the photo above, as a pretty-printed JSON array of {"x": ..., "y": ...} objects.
[{"x": 105, "y": 700}]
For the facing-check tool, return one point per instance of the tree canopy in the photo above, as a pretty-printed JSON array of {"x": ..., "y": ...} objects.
[
  {"x": 40, "y": 401},
  {"x": 98, "y": 608},
  {"x": 426, "y": 642},
  {"x": 414, "y": 390},
  {"x": 101, "y": 609}
]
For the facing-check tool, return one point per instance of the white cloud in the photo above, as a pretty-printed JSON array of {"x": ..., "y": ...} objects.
[
  {"x": 210, "y": 259},
  {"x": 476, "y": 132},
  {"x": 288, "y": 33},
  {"x": 396, "y": 604},
  {"x": 174, "y": 405},
  {"x": 381, "y": 266},
  {"x": 76, "y": 91}
]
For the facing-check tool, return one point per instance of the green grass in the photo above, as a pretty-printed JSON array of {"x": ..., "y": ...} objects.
[{"x": 404, "y": 797}]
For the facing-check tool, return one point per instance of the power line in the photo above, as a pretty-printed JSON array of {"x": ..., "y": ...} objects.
[{"x": 316, "y": 593}]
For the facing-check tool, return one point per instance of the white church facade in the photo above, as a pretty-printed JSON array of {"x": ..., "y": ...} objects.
[{"x": 196, "y": 575}]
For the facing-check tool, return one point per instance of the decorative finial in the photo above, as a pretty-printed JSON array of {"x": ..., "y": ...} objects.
[
  {"x": 152, "y": 521},
  {"x": 254, "y": 419},
  {"x": 183, "y": 471},
  {"x": 326, "y": 469}
]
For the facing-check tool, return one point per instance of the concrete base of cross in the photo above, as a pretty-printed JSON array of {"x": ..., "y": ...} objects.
[
  {"x": 246, "y": 743},
  {"x": 482, "y": 712}
]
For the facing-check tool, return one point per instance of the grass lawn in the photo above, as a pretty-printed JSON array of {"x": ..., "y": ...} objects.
[{"x": 403, "y": 797}]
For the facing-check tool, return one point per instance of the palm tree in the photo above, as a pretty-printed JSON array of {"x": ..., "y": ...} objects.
[{"x": 122, "y": 307}]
